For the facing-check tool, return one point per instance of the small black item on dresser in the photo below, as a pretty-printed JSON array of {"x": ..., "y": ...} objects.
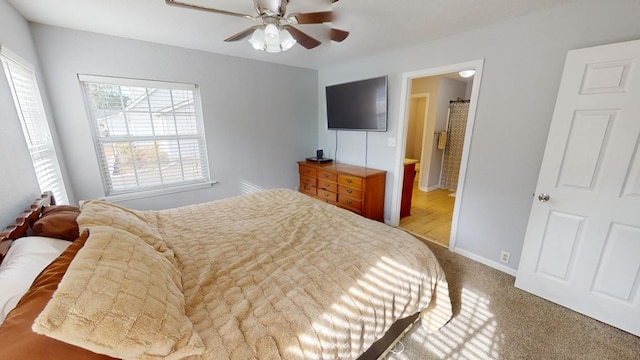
[
  {"x": 319, "y": 160},
  {"x": 319, "y": 154}
]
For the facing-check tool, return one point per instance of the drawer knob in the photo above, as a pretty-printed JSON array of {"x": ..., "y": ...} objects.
[
  {"x": 326, "y": 175},
  {"x": 326, "y": 184},
  {"x": 349, "y": 181},
  {"x": 349, "y": 202},
  {"x": 349, "y": 191}
]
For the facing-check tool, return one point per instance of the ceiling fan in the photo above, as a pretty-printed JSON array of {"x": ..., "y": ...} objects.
[{"x": 276, "y": 33}]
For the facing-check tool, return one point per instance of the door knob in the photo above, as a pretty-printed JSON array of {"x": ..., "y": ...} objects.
[{"x": 543, "y": 197}]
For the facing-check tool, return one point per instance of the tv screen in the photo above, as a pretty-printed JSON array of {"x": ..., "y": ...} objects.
[{"x": 358, "y": 105}]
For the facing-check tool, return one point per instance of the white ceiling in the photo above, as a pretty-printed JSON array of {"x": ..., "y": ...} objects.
[{"x": 375, "y": 25}]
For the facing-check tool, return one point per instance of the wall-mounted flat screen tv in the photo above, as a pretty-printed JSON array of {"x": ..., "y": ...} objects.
[{"x": 358, "y": 105}]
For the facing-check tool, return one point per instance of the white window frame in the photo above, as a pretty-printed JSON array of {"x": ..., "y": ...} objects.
[
  {"x": 99, "y": 140},
  {"x": 35, "y": 125}
]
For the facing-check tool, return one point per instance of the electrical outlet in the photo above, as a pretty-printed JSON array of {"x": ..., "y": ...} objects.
[{"x": 504, "y": 257}]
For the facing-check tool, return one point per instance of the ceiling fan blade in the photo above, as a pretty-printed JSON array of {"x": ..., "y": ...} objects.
[
  {"x": 338, "y": 35},
  {"x": 303, "y": 39},
  {"x": 313, "y": 18},
  {"x": 198, "y": 7},
  {"x": 242, "y": 34}
]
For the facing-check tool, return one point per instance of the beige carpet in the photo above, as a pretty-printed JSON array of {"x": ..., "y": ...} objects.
[{"x": 495, "y": 320}]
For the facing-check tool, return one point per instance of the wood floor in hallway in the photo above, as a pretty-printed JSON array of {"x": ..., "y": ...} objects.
[{"x": 431, "y": 214}]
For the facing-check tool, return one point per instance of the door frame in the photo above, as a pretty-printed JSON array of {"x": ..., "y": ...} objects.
[{"x": 405, "y": 97}]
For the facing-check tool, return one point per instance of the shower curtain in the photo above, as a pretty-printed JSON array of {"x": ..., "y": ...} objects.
[{"x": 455, "y": 140}]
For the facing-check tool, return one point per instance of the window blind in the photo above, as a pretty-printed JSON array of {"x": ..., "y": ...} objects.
[
  {"x": 35, "y": 127},
  {"x": 148, "y": 134}
]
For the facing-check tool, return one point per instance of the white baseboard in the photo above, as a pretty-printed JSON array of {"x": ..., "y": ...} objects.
[
  {"x": 485, "y": 261},
  {"x": 427, "y": 189},
  {"x": 430, "y": 188}
]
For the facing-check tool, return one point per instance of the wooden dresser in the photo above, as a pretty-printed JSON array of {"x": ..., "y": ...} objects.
[{"x": 351, "y": 187}]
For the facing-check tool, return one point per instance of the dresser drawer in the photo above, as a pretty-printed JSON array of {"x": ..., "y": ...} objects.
[
  {"x": 327, "y": 175},
  {"x": 327, "y": 185},
  {"x": 308, "y": 180},
  {"x": 351, "y": 192},
  {"x": 308, "y": 189},
  {"x": 350, "y": 203},
  {"x": 327, "y": 195},
  {"x": 350, "y": 181},
  {"x": 308, "y": 171}
]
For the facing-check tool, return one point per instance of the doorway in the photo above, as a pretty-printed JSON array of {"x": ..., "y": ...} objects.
[
  {"x": 434, "y": 163},
  {"x": 434, "y": 205}
]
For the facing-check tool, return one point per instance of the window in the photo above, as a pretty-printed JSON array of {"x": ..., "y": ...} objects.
[
  {"x": 148, "y": 135},
  {"x": 35, "y": 127}
]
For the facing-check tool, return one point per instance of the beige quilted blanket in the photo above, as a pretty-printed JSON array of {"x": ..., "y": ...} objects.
[{"x": 276, "y": 275}]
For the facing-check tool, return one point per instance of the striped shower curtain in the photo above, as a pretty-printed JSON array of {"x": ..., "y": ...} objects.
[{"x": 455, "y": 140}]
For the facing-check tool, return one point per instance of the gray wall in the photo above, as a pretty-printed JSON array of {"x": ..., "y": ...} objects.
[
  {"x": 260, "y": 118},
  {"x": 511, "y": 123},
  {"x": 18, "y": 185}
]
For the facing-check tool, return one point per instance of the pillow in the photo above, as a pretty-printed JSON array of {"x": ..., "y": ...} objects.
[
  {"x": 17, "y": 340},
  {"x": 58, "y": 221},
  {"x": 121, "y": 298},
  {"x": 142, "y": 224},
  {"x": 24, "y": 261},
  {"x": 103, "y": 213}
]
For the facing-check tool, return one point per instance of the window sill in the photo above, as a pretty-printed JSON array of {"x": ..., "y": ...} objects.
[{"x": 156, "y": 192}]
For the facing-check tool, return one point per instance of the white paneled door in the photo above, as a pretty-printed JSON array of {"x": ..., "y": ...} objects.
[{"x": 582, "y": 246}]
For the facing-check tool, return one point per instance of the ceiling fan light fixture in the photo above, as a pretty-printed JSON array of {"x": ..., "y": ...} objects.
[
  {"x": 257, "y": 39},
  {"x": 272, "y": 38},
  {"x": 271, "y": 34},
  {"x": 286, "y": 40},
  {"x": 272, "y": 48},
  {"x": 466, "y": 73}
]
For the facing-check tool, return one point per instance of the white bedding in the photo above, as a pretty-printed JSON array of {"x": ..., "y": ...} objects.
[{"x": 26, "y": 258}]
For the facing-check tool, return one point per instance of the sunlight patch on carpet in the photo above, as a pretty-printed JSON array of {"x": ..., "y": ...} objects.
[{"x": 472, "y": 334}]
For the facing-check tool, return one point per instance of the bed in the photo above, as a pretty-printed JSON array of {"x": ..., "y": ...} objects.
[{"x": 270, "y": 275}]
